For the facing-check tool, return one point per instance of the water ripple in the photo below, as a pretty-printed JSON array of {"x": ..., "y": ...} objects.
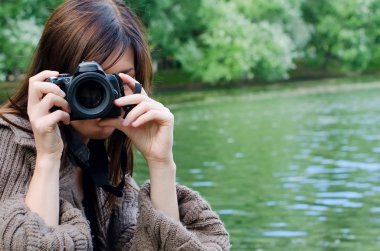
[{"x": 284, "y": 233}]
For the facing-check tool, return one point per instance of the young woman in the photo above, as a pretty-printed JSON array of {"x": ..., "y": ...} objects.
[{"x": 49, "y": 196}]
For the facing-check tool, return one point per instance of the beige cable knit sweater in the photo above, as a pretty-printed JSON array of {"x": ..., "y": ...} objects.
[{"x": 133, "y": 225}]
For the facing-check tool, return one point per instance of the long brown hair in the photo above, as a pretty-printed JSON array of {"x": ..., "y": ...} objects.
[{"x": 83, "y": 30}]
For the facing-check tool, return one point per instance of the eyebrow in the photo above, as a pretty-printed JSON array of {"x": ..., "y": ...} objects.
[{"x": 127, "y": 70}]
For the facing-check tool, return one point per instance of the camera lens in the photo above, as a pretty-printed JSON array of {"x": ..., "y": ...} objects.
[{"x": 90, "y": 94}]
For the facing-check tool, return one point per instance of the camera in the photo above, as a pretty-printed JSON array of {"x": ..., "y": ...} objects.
[{"x": 90, "y": 92}]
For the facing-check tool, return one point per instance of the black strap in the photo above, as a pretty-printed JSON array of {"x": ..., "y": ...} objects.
[
  {"x": 78, "y": 152},
  {"x": 93, "y": 160},
  {"x": 99, "y": 168}
]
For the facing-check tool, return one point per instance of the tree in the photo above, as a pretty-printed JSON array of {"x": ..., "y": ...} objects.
[
  {"x": 346, "y": 33},
  {"x": 232, "y": 47},
  {"x": 21, "y": 26},
  {"x": 228, "y": 40}
]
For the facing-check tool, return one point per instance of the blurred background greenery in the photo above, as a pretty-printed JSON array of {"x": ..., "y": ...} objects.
[
  {"x": 216, "y": 41},
  {"x": 287, "y": 164}
]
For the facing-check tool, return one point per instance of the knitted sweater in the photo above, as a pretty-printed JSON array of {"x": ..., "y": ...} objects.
[{"x": 134, "y": 224}]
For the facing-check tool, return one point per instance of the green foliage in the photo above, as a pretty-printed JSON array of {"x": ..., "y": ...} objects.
[
  {"x": 374, "y": 31},
  {"x": 217, "y": 40},
  {"x": 236, "y": 48},
  {"x": 19, "y": 45},
  {"x": 21, "y": 26},
  {"x": 222, "y": 50},
  {"x": 346, "y": 33},
  {"x": 226, "y": 40},
  {"x": 286, "y": 14},
  {"x": 170, "y": 24}
]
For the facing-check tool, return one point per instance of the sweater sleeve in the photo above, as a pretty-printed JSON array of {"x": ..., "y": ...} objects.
[
  {"x": 20, "y": 228},
  {"x": 199, "y": 228}
]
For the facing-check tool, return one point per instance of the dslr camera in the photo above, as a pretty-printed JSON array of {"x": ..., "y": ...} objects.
[{"x": 90, "y": 92}]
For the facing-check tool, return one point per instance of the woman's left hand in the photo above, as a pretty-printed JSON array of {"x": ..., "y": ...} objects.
[{"x": 149, "y": 125}]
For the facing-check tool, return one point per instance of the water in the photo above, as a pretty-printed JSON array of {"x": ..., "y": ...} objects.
[{"x": 286, "y": 172}]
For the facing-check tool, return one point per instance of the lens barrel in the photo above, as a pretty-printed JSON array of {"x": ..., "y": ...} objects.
[{"x": 90, "y": 95}]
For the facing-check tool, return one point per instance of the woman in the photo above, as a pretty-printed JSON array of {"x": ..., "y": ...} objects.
[{"x": 49, "y": 200}]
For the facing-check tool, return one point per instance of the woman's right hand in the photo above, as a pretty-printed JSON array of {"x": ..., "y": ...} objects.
[
  {"x": 43, "y": 192},
  {"x": 42, "y": 96}
]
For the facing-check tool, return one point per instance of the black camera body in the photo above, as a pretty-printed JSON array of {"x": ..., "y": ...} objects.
[{"x": 90, "y": 92}]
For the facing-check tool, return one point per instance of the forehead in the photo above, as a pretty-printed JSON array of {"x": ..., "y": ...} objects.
[{"x": 125, "y": 62}]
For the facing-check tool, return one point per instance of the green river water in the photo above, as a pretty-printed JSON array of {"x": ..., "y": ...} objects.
[{"x": 291, "y": 170}]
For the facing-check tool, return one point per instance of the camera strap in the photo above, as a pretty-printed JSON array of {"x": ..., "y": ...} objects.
[{"x": 93, "y": 160}]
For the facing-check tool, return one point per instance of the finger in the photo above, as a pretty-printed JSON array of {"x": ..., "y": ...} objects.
[
  {"x": 48, "y": 122},
  {"x": 43, "y": 75},
  {"x": 43, "y": 107},
  {"x": 130, "y": 82},
  {"x": 51, "y": 100},
  {"x": 38, "y": 89},
  {"x": 140, "y": 109},
  {"x": 130, "y": 99},
  {"x": 160, "y": 116},
  {"x": 133, "y": 99},
  {"x": 56, "y": 117}
]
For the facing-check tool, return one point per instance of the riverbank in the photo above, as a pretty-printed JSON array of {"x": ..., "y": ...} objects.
[
  {"x": 172, "y": 94},
  {"x": 194, "y": 93}
]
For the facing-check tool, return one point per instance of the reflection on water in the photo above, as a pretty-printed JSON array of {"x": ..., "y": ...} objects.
[
  {"x": 282, "y": 233},
  {"x": 202, "y": 184},
  {"x": 290, "y": 173}
]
